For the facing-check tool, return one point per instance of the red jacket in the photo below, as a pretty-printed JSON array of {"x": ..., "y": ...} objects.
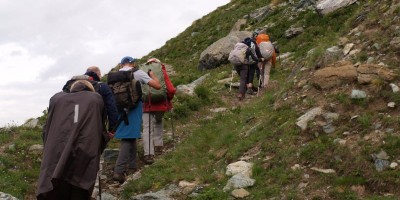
[{"x": 167, "y": 104}]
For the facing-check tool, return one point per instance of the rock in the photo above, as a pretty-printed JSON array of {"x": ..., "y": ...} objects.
[
  {"x": 395, "y": 43},
  {"x": 369, "y": 72},
  {"x": 226, "y": 80},
  {"x": 284, "y": 56},
  {"x": 343, "y": 41},
  {"x": 393, "y": 165},
  {"x": 325, "y": 171},
  {"x": 239, "y": 181},
  {"x": 339, "y": 141},
  {"x": 334, "y": 76},
  {"x": 381, "y": 155},
  {"x": 328, "y": 128},
  {"x": 218, "y": 110},
  {"x": 164, "y": 194},
  {"x": 189, "y": 89},
  {"x": 293, "y": 32},
  {"x": 11, "y": 147},
  {"x": 36, "y": 148},
  {"x": 358, "y": 94},
  {"x": 31, "y": 123},
  {"x": 347, "y": 48},
  {"x": 370, "y": 60},
  {"x": 240, "y": 193},
  {"x": 395, "y": 88},
  {"x": 302, "y": 185},
  {"x": 4, "y": 196},
  {"x": 380, "y": 164},
  {"x": 359, "y": 189},
  {"x": 296, "y": 167},
  {"x": 240, "y": 167},
  {"x": 391, "y": 104},
  {"x": 327, "y": 6},
  {"x": 302, "y": 121},
  {"x": 107, "y": 196},
  {"x": 330, "y": 116},
  {"x": 238, "y": 25},
  {"x": 217, "y": 53},
  {"x": 194, "y": 34},
  {"x": 260, "y": 13}
]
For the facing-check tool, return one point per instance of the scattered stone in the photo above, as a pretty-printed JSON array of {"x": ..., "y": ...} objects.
[
  {"x": 395, "y": 88},
  {"x": 334, "y": 76},
  {"x": 380, "y": 164},
  {"x": 296, "y": 167},
  {"x": 187, "y": 187},
  {"x": 218, "y": 110},
  {"x": 36, "y": 148},
  {"x": 240, "y": 193},
  {"x": 239, "y": 181},
  {"x": 391, "y": 104},
  {"x": 189, "y": 89},
  {"x": 346, "y": 133},
  {"x": 11, "y": 147},
  {"x": 302, "y": 185},
  {"x": 358, "y": 94},
  {"x": 325, "y": 171},
  {"x": 226, "y": 80},
  {"x": 260, "y": 13},
  {"x": 302, "y": 121},
  {"x": 240, "y": 167},
  {"x": 393, "y": 165},
  {"x": 194, "y": 34},
  {"x": 293, "y": 32},
  {"x": 107, "y": 196},
  {"x": 369, "y": 72},
  {"x": 306, "y": 176},
  {"x": 359, "y": 189},
  {"x": 328, "y": 128},
  {"x": 339, "y": 141},
  {"x": 327, "y": 6},
  {"x": 381, "y": 155},
  {"x": 395, "y": 42},
  {"x": 347, "y": 48},
  {"x": 4, "y": 196}
]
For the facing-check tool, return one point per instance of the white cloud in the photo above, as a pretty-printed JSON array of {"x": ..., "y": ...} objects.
[{"x": 44, "y": 42}]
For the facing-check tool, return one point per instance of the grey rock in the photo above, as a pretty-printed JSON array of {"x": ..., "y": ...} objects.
[
  {"x": 189, "y": 89},
  {"x": 293, "y": 32},
  {"x": 31, "y": 123},
  {"x": 348, "y": 48},
  {"x": 194, "y": 34},
  {"x": 239, "y": 181},
  {"x": 328, "y": 128},
  {"x": 240, "y": 193},
  {"x": 5, "y": 196},
  {"x": 358, "y": 94},
  {"x": 395, "y": 88},
  {"x": 328, "y": 6},
  {"x": 303, "y": 120},
  {"x": 36, "y": 148},
  {"x": 260, "y": 13},
  {"x": 106, "y": 196},
  {"x": 380, "y": 164}
]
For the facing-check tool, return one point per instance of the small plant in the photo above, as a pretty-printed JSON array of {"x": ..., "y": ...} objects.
[{"x": 365, "y": 120}]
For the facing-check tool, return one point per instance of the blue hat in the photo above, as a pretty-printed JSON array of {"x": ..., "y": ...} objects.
[{"x": 127, "y": 59}]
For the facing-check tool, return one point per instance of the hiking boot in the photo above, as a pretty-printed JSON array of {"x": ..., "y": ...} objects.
[
  {"x": 119, "y": 177},
  {"x": 158, "y": 150},
  {"x": 148, "y": 159},
  {"x": 240, "y": 97},
  {"x": 250, "y": 91}
]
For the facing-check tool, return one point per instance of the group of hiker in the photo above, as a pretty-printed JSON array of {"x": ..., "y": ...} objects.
[
  {"x": 88, "y": 113},
  {"x": 254, "y": 54}
]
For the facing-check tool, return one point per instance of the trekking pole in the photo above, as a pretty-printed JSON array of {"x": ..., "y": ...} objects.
[
  {"x": 172, "y": 126},
  {"x": 100, "y": 185},
  {"x": 230, "y": 85},
  {"x": 149, "y": 120},
  {"x": 259, "y": 81}
]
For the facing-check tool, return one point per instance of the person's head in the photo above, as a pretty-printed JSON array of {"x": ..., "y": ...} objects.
[
  {"x": 247, "y": 41},
  {"x": 82, "y": 85},
  {"x": 94, "y": 72},
  {"x": 257, "y": 32},
  {"x": 128, "y": 61},
  {"x": 155, "y": 60}
]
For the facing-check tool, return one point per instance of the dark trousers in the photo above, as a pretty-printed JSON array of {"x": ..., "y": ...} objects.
[
  {"x": 242, "y": 70},
  {"x": 127, "y": 156},
  {"x": 65, "y": 191},
  {"x": 252, "y": 69}
]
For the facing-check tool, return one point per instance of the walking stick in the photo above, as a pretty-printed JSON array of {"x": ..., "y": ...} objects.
[
  {"x": 149, "y": 119},
  {"x": 259, "y": 80},
  {"x": 100, "y": 185},
  {"x": 172, "y": 126}
]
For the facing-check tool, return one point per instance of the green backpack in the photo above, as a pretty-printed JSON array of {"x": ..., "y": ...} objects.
[{"x": 150, "y": 94}]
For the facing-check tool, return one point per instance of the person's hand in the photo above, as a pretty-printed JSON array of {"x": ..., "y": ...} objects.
[
  {"x": 262, "y": 59},
  {"x": 111, "y": 134}
]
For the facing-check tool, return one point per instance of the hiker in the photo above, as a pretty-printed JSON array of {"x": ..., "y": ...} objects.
[
  {"x": 73, "y": 138},
  {"x": 253, "y": 65},
  {"x": 93, "y": 75},
  {"x": 268, "y": 52},
  {"x": 243, "y": 69},
  {"x": 128, "y": 133},
  {"x": 153, "y": 116}
]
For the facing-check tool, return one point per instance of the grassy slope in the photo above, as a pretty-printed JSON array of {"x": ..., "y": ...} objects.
[{"x": 210, "y": 143}]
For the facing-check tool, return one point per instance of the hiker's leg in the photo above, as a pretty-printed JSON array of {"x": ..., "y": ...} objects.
[
  {"x": 123, "y": 156},
  {"x": 243, "y": 79},
  {"x": 79, "y": 193},
  {"x": 148, "y": 146},
  {"x": 257, "y": 71},
  {"x": 158, "y": 129},
  {"x": 250, "y": 77},
  {"x": 133, "y": 153},
  {"x": 267, "y": 70},
  {"x": 261, "y": 66}
]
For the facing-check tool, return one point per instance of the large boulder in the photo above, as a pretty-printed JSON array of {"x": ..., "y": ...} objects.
[
  {"x": 260, "y": 13},
  {"x": 369, "y": 72},
  {"x": 327, "y": 6},
  {"x": 217, "y": 53},
  {"x": 335, "y": 75}
]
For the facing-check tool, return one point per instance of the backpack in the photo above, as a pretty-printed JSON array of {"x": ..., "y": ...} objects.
[
  {"x": 238, "y": 55},
  {"x": 67, "y": 86},
  {"x": 126, "y": 89},
  {"x": 266, "y": 49},
  {"x": 153, "y": 95}
]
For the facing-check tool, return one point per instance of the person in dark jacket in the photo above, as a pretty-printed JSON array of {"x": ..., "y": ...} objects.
[
  {"x": 109, "y": 101},
  {"x": 73, "y": 139},
  {"x": 243, "y": 70},
  {"x": 153, "y": 119}
]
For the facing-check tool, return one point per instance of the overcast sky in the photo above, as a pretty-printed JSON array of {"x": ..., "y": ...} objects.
[{"x": 43, "y": 43}]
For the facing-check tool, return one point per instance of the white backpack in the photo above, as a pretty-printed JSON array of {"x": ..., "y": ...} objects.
[
  {"x": 266, "y": 49},
  {"x": 238, "y": 55}
]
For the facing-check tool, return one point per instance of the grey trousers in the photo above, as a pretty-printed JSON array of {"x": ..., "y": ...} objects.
[
  {"x": 242, "y": 70},
  {"x": 126, "y": 156},
  {"x": 155, "y": 138}
]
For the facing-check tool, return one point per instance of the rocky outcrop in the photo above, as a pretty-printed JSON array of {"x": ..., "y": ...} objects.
[
  {"x": 369, "y": 72},
  {"x": 189, "y": 88},
  {"x": 334, "y": 76},
  {"x": 293, "y": 32},
  {"x": 327, "y": 6},
  {"x": 260, "y": 14},
  {"x": 218, "y": 52},
  {"x": 395, "y": 43}
]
